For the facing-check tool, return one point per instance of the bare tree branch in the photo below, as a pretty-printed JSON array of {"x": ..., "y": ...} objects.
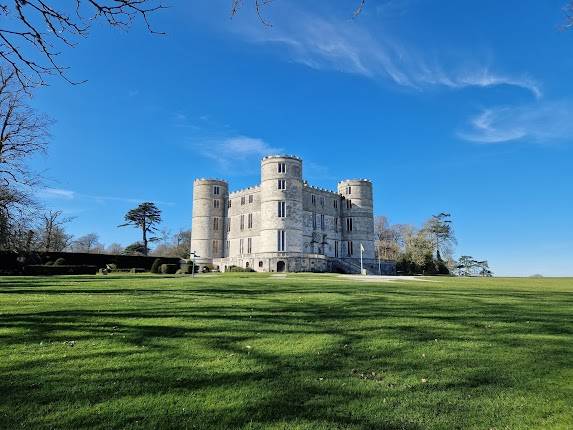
[{"x": 32, "y": 30}]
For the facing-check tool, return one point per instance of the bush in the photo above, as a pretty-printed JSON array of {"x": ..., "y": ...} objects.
[
  {"x": 49, "y": 263},
  {"x": 60, "y": 262},
  {"x": 156, "y": 266},
  {"x": 169, "y": 269},
  {"x": 43, "y": 270},
  {"x": 240, "y": 269}
]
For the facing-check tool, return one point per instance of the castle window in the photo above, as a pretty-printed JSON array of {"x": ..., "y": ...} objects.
[
  {"x": 229, "y": 203},
  {"x": 348, "y": 224},
  {"x": 281, "y": 184},
  {"x": 322, "y": 221},
  {"x": 336, "y": 248},
  {"x": 215, "y": 246},
  {"x": 281, "y": 209},
  {"x": 241, "y": 246},
  {"x": 349, "y": 190},
  {"x": 229, "y": 224},
  {"x": 282, "y": 167},
  {"x": 215, "y": 224},
  {"x": 251, "y": 198},
  {"x": 250, "y": 221},
  {"x": 313, "y": 199},
  {"x": 336, "y": 224},
  {"x": 242, "y": 222},
  {"x": 216, "y": 203},
  {"x": 348, "y": 204},
  {"x": 322, "y": 201},
  {"x": 243, "y": 200},
  {"x": 280, "y": 240},
  {"x": 349, "y": 248},
  {"x": 313, "y": 220},
  {"x": 335, "y": 204},
  {"x": 260, "y": 264},
  {"x": 216, "y": 190},
  {"x": 249, "y": 245}
]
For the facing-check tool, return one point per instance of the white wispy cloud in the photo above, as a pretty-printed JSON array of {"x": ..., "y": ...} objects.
[
  {"x": 57, "y": 193},
  {"x": 351, "y": 46},
  {"x": 62, "y": 194},
  {"x": 541, "y": 122},
  {"x": 236, "y": 154}
]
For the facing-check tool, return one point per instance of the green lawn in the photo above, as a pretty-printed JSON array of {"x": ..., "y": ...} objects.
[{"x": 305, "y": 351}]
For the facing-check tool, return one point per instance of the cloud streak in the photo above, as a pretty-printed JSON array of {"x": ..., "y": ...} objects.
[
  {"x": 540, "y": 123},
  {"x": 349, "y": 47}
]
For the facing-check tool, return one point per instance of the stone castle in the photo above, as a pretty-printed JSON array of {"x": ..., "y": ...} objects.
[{"x": 284, "y": 224}]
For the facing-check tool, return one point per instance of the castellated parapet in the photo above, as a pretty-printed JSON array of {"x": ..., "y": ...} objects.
[{"x": 285, "y": 224}]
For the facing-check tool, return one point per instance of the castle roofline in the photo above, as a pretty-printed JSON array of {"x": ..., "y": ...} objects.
[
  {"x": 292, "y": 157},
  {"x": 355, "y": 180},
  {"x": 211, "y": 180},
  {"x": 243, "y": 190}
]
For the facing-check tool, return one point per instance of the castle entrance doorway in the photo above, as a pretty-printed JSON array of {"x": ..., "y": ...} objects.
[{"x": 281, "y": 266}]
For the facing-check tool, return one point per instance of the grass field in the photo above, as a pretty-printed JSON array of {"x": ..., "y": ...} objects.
[{"x": 304, "y": 351}]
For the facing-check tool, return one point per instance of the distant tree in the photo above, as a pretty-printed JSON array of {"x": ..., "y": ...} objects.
[
  {"x": 177, "y": 245},
  {"x": 51, "y": 233},
  {"x": 440, "y": 230},
  {"x": 387, "y": 239},
  {"x": 88, "y": 243},
  {"x": 136, "y": 248},
  {"x": 114, "y": 249},
  {"x": 32, "y": 32},
  {"x": 145, "y": 217}
]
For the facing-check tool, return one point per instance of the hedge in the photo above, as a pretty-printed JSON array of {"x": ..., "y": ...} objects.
[{"x": 42, "y": 270}]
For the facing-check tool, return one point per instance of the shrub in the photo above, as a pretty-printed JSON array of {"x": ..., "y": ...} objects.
[
  {"x": 156, "y": 266},
  {"x": 43, "y": 270},
  {"x": 111, "y": 266},
  {"x": 49, "y": 263},
  {"x": 169, "y": 269},
  {"x": 60, "y": 262},
  {"x": 240, "y": 269}
]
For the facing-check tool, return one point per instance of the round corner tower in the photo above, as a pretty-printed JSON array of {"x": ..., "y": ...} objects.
[
  {"x": 358, "y": 215},
  {"x": 281, "y": 204},
  {"x": 210, "y": 198}
]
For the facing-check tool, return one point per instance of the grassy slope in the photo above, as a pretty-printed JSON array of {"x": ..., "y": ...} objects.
[{"x": 306, "y": 351}]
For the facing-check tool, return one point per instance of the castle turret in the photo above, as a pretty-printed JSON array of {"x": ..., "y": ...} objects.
[
  {"x": 210, "y": 198},
  {"x": 281, "y": 204},
  {"x": 357, "y": 217}
]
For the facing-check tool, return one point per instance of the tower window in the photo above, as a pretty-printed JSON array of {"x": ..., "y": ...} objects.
[
  {"x": 228, "y": 248},
  {"x": 322, "y": 221},
  {"x": 313, "y": 199},
  {"x": 216, "y": 203},
  {"x": 243, "y": 200},
  {"x": 313, "y": 220},
  {"x": 336, "y": 248},
  {"x": 249, "y": 245},
  {"x": 349, "y": 190},
  {"x": 349, "y": 248},
  {"x": 242, "y": 222},
  {"x": 215, "y": 224},
  {"x": 216, "y": 190},
  {"x": 281, "y": 167},
  {"x": 229, "y": 203},
  {"x": 241, "y": 246},
  {"x": 215, "y": 246},
  {"x": 250, "y": 221},
  {"x": 336, "y": 224},
  {"x": 348, "y": 224},
  {"x": 348, "y": 204},
  {"x": 335, "y": 204},
  {"x": 281, "y": 184},
  {"x": 280, "y": 240},
  {"x": 250, "y": 198},
  {"x": 229, "y": 224},
  {"x": 281, "y": 209},
  {"x": 322, "y": 201}
]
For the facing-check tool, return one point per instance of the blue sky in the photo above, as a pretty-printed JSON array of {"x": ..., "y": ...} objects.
[{"x": 446, "y": 107}]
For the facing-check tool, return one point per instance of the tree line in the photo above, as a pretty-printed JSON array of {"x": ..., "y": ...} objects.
[{"x": 427, "y": 250}]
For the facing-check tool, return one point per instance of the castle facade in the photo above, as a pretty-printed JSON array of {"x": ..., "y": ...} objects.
[{"x": 284, "y": 224}]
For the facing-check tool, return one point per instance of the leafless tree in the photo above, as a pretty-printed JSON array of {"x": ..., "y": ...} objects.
[
  {"x": 51, "y": 233},
  {"x": 114, "y": 249},
  {"x": 23, "y": 133},
  {"x": 88, "y": 243},
  {"x": 33, "y": 32},
  {"x": 17, "y": 216}
]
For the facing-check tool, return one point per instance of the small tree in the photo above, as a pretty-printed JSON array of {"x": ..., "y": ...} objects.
[
  {"x": 145, "y": 217},
  {"x": 136, "y": 248},
  {"x": 441, "y": 232},
  {"x": 88, "y": 243}
]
